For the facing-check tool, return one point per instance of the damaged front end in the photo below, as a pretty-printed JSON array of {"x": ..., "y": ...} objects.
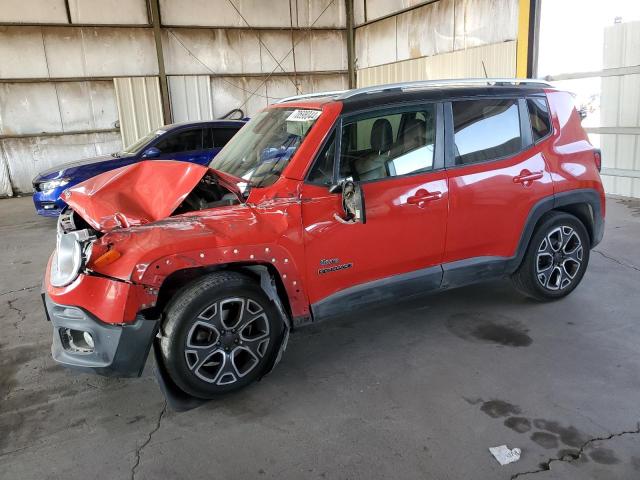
[{"x": 124, "y": 232}]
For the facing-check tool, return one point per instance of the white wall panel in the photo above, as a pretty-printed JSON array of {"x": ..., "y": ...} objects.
[
  {"x": 33, "y": 11},
  {"x": 358, "y": 12},
  {"x": 376, "y": 43},
  {"x": 220, "y": 13},
  {"x": 426, "y": 31},
  {"x": 28, "y": 156},
  {"x": 238, "y": 92},
  {"x": 258, "y": 13},
  {"x": 499, "y": 58},
  {"x": 622, "y": 45},
  {"x": 310, "y": 11},
  {"x": 5, "y": 183},
  {"x": 139, "y": 107},
  {"x": 481, "y": 22},
  {"x": 109, "y": 11},
  {"x": 204, "y": 51},
  {"x": 222, "y": 51},
  {"x": 435, "y": 28},
  {"x": 28, "y": 108},
  {"x": 280, "y": 45},
  {"x": 76, "y": 52},
  {"x": 18, "y": 44},
  {"x": 316, "y": 51},
  {"x": 190, "y": 98},
  {"x": 380, "y": 8}
]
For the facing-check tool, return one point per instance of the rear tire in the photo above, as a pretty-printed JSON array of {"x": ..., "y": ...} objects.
[
  {"x": 219, "y": 334},
  {"x": 556, "y": 259}
]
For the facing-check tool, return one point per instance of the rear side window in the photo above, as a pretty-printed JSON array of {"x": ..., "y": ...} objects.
[
  {"x": 539, "y": 116},
  {"x": 485, "y": 129},
  {"x": 222, "y": 135},
  {"x": 184, "y": 141}
]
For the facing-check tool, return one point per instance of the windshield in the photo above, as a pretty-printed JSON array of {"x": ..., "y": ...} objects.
[
  {"x": 141, "y": 143},
  {"x": 263, "y": 147}
]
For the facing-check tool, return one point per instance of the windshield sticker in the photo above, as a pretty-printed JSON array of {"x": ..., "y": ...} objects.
[{"x": 300, "y": 121}]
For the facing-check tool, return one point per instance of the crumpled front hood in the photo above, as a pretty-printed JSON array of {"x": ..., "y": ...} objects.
[{"x": 137, "y": 194}]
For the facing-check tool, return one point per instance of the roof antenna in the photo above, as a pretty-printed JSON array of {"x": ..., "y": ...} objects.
[{"x": 485, "y": 70}]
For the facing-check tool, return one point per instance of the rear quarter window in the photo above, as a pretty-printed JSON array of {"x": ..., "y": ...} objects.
[
  {"x": 539, "y": 117},
  {"x": 485, "y": 129}
]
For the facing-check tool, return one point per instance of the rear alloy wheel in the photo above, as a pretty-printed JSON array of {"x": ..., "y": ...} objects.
[
  {"x": 556, "y": 258},
  {"x": 220, "y": 333},
  {"x": 559, "y": 258}
]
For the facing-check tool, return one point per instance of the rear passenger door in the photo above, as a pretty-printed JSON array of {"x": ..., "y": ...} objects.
[{"x": 496, "y": 175}]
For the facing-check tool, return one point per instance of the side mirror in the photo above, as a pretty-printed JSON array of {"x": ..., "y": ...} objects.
[
  {"x": 151, "y": 152},
  {"x": 352, "y": 202}
]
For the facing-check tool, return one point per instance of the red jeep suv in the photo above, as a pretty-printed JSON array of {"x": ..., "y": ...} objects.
[{"x": 320, "y": 206}]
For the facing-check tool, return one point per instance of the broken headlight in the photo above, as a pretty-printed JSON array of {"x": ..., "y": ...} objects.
[{"x": 72, "y": 250}]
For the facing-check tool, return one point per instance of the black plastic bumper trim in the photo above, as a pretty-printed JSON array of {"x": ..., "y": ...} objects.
[{"x": 119, "y": 350}]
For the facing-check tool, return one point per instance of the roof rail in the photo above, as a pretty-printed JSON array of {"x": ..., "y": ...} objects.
[
  {"x": 312, "y": 95},
  {"x": 438, "y": 83}
]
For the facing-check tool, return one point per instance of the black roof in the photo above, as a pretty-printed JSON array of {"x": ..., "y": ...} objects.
[{"x": 364, "y": 100}]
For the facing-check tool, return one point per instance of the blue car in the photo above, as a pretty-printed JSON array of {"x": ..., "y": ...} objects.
[{"x": 196, "y": 142}]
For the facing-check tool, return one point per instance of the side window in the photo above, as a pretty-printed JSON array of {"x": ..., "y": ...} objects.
[
  {"x": 485, "y": 129},
  {"x": 389, "y": 145},
  {"x": 184, "y": 141},
  {"x": 539, "y": 116},
  {"x": 222, "y": 135},
  {"x": 322, "y": 170},
  {"x": 207, "y": 138}
]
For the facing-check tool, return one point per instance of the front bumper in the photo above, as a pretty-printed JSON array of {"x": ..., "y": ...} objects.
[
  {"x": 49, "y": 204},
  {"x": 118, "y": 350}
]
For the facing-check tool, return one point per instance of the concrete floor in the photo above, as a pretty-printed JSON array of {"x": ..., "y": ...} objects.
[{"x": 420, "y": 391}]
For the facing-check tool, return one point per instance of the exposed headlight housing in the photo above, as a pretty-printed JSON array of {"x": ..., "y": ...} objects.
[
  {"x": 51, "y": 184},
  {"x": 72, "y": 250}
]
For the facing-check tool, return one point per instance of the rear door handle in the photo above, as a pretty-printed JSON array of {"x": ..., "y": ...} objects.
[
  {"x": 422, "y": 196},
  {"x": 526, "y": 177}
]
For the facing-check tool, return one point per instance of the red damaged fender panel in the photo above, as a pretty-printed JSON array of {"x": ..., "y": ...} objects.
[{"x": 141, "y": 193}]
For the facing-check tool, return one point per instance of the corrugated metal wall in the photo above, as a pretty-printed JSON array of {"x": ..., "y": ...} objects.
[
  {"x": 435, "y": 39},
  {"x": 59, "y": 69},
  {"x": 620, "y": 110},
  {"x": 139, "y": 106},
  {"x": 499, "y": 60}
]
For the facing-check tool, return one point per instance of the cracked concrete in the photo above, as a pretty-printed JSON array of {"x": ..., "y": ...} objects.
[
  {"x": 394, "y": 393},
  {"x": 138, "y": 452},
  {"x": 577, "y": 455}
]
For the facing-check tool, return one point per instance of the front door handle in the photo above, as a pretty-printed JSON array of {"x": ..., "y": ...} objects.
[
  {"x": 527, "y": 178},
  {"x": 423, "y": 196}
]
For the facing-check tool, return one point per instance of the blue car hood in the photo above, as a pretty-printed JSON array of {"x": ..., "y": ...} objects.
[{"x": 73, "y": 168}]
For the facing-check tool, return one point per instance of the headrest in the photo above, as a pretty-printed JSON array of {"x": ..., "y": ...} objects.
[{"x": 381, "y": 135}]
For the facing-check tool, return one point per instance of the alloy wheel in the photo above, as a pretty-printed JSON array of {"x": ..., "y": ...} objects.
[
  {"x": 227, "y": 340},
  {"x": 559, "y": 258}
]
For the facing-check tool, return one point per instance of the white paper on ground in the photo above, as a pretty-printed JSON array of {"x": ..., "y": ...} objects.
[{"x": 504, "y": 455}]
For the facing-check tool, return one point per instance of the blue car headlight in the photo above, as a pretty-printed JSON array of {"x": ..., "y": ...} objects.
[{"x": 51, "y": 184}]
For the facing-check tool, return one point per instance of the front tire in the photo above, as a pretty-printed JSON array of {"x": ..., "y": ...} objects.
[
  {"x": 219, "y": 334},
  {"x": 556, "y": 259}
]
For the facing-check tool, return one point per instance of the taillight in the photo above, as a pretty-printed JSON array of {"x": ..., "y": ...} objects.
[{"x": 597, "y": 158}]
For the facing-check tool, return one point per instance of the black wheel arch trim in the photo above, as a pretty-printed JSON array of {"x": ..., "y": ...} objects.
[{"x": 564, "y": 201}]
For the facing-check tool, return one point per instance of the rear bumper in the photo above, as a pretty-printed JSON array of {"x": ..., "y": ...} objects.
[{"x": 118, "y": 350}]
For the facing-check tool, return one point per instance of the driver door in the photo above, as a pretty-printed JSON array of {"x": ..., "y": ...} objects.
[{"x": 397, "y": 158}]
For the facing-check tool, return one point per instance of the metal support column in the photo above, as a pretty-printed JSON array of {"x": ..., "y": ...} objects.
[
  {"x": 351, "y": 44},
  {"x": 164, "y": 86}
]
